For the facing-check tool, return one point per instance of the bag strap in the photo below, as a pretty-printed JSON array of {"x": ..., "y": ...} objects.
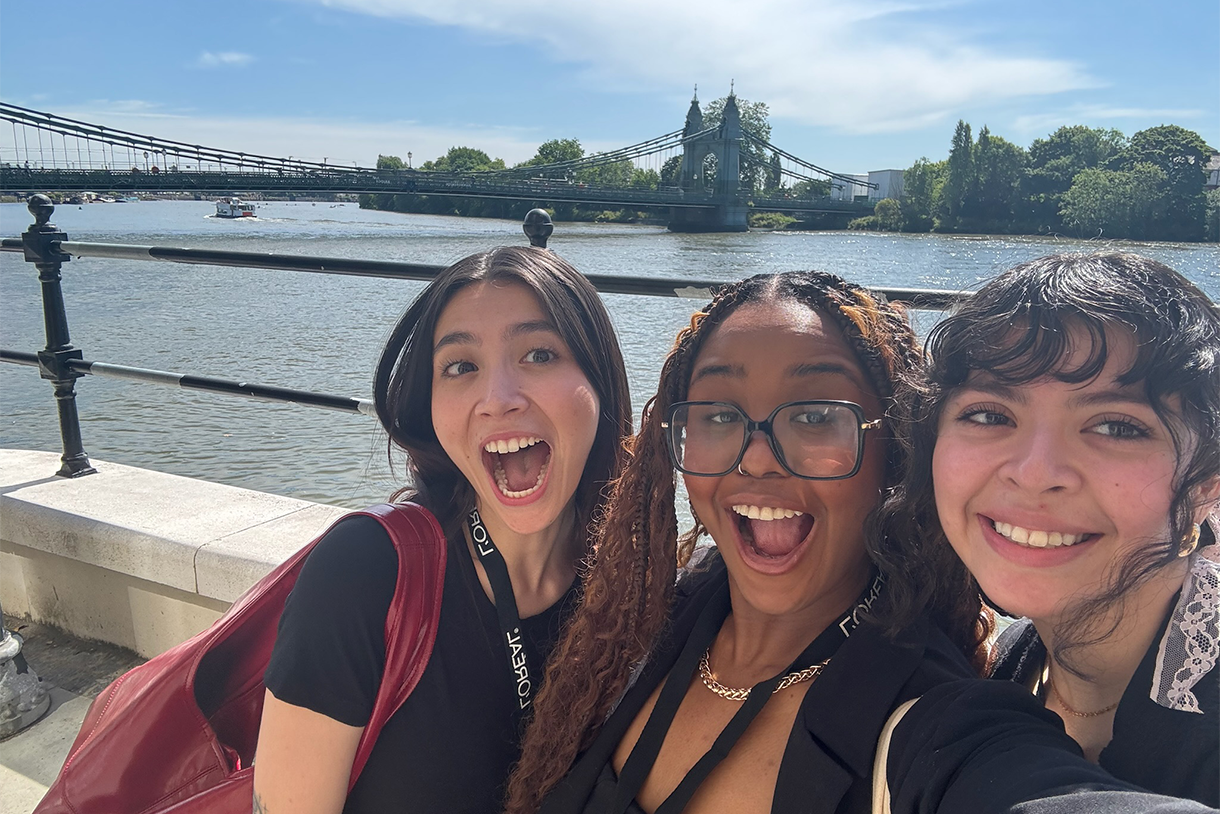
[
  {"x": 414, "y": 614},
  {"x": 881, "y": 786}
]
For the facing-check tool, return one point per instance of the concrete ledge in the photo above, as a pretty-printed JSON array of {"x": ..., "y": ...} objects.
[{"x": 137, "y": 558}]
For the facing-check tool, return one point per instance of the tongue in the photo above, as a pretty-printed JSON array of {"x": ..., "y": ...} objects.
[
  {"x": 775, "y": 538},
  {"x": 522, "y": 467}
]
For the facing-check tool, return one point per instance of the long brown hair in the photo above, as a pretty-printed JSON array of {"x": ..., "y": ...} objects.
[
  {"x": 402, "y": 389},
  {"x": 629, "y": 587}
]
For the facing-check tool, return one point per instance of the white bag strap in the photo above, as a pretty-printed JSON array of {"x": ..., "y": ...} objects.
[{"x": 881, "y": 786}]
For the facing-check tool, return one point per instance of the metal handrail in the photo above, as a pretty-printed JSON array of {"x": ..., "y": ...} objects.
[{"x": 61, "y": 363}]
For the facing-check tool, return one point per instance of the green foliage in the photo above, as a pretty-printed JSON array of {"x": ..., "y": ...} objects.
[
  {"x": 390, "y": 162},
  {"x": 868, "y": 223},
  {"x": 670, "y": 171},
  {"x": 775, "y": 174},
  {"x": 463, "y": 159},
  {"x": 555, "y": 151},
  {"x": 645, "y": 179},
  {"x": 1211, "y": 220},
  {"x": 960, "y": 180},
  {"x": 1182, "y": 156},
  {"x": 999, "y": 167},
  {"x": 770, "y": 220},
  {"x": 888, "y": 214},
  {"x": 1054, "y": 162},
  {"x": 808, "y": 190},
  {"x": 921, "y": 188},
  {"x": 1117, "y": 203}
]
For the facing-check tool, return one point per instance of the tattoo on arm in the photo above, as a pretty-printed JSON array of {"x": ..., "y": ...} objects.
[{"x": 259, "y": 808}]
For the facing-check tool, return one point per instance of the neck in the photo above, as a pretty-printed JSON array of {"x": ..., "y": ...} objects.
[
  {"x": 541, "y": 565},
  {"x": 752, "y": 645},
  {"x": 1110, "y": 663}
]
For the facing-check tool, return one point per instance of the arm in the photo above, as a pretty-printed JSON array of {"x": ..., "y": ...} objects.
[
  {"x": 303, "y": 762},
  {"x": 989, "y": 747}
]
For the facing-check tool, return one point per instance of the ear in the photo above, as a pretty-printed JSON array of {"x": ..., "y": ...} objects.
[{"x": 1207, "y": 499}]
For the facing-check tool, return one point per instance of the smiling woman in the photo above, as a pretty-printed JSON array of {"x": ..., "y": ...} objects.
[
  {"x": 1065, "y": 460},
  {"x": 504, "y": 384}
]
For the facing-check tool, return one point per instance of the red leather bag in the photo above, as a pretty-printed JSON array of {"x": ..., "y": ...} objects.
[{"x": 177, "y": 734}]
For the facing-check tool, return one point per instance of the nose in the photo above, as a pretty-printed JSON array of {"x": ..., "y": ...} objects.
[
  {"x": 758, "y": 461},
  {"x": 1040, "y": 460},
  {"x": 502, "y": 392}
]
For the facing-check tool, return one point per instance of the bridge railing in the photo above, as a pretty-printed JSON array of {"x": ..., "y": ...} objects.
[{"x": 61, "y": 363}]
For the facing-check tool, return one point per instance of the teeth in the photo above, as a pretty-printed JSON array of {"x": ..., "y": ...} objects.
[
  {"x": 506, "y": 445},
  {"x": 502, "y": 480},
  {"x": 1036, "y": 539},
  {"x": 765, "y": 512}
]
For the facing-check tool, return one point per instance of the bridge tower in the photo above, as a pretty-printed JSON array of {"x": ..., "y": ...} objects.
[{"x": 711, "y": 167}]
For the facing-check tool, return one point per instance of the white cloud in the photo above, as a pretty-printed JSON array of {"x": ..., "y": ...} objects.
[
  {"x": 338, "y": 141},
  {"x": 1099, "y": 116},
  {"x": 852, "y": 66},
  {"x": 224, "y": 59}
]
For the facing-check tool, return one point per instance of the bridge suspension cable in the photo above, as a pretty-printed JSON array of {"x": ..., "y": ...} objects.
[{"x": 800, "y": 162}]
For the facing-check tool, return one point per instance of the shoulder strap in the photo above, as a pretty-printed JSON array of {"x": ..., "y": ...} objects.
[
  {"x": 415, "y": 610},
  {"x": 881, "y": 785}
]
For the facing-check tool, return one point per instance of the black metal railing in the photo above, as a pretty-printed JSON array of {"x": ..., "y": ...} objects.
[{"x": 62, "y": 364}]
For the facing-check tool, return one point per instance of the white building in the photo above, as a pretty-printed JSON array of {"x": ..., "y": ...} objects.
[
  {"x": 841, "y": 190},
  {"x": 888, "y": 184}
]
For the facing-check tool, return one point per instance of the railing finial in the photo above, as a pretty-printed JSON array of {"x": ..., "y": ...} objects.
[
  {"x": 41, "y": 208},
  {"x": 538, "y": 227}
]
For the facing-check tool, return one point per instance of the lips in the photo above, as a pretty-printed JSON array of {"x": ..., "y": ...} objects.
[
  {"x": 1036, "y": 538},
  {"x": 518, "y": 465},
  {"x": 772, "y": 533}
]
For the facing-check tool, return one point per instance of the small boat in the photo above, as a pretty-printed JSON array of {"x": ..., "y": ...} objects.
[{"x": 234, "y": 208}]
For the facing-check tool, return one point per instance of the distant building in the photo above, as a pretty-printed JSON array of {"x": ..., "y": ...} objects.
[
  {"x": 1213, "y": 172},
  {"x": 841, "y": 190},
  {"x": 888, "y": 184}
]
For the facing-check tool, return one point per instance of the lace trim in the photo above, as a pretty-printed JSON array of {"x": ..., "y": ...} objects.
[{"x": 1190, "y": 646}]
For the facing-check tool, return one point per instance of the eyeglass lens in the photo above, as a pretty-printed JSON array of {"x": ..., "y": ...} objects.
[{"x": 817, "y": 440}]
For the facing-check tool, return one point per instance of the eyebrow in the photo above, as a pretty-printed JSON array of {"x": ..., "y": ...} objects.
[
  {"x": 511, "y": 332},
  {"x": 1116, "y": 395},
  {"x": 799, "y": 370},
  {"x": 991, "y": 387}
]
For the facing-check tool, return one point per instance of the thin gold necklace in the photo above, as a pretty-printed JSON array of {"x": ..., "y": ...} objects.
[
  {"x": 1046, "y": 682},
  {"x": 742, "y": 693}
]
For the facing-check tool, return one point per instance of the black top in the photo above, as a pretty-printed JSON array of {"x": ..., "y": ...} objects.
[
  {"x": 451, "y": 744},
  {"x": 1164, "y": 750},
  {"x": 827, "y": 764}
]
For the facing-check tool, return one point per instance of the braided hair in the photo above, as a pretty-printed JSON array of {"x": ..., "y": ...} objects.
[{"x": 629, "y": 583}]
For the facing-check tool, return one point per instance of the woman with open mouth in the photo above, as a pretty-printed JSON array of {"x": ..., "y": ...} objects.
[
  {"x": 766, "y": 689},
  {"x": 1065, "y": 460},
  {"x": 504, "y": 385}
]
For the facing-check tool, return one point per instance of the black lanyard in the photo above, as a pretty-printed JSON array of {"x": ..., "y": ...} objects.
[
  {"x": 644, "y": 753},
  {"x": 506, "y": 609}
]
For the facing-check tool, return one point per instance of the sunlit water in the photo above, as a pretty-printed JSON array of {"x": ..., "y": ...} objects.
[{"x": 322, "y": 332}]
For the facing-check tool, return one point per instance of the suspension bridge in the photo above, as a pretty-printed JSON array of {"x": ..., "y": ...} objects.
[{"x": 723, "y": 172}]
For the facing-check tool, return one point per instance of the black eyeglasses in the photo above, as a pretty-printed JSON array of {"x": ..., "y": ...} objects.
[{"x": 815, "y": 440}]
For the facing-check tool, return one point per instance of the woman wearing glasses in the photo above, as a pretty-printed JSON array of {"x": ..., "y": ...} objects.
[{"x": 765, "y": 690}]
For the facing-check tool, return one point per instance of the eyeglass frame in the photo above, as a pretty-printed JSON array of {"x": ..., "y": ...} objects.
[{"x": 767, "y": 428}]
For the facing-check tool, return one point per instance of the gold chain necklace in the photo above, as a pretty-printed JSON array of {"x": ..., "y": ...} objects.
[
  {"x": 742, "y": 693},
  {"x": 1046, "y": 682}
]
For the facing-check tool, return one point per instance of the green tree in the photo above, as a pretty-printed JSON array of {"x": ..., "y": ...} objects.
[
  {"x": 390, "y": 162},
  {"x": 1117, "y": 203},
  {"x": 808, "y": 190},
  {"x": 888, "y": 214},
  {"x": 1211, "y": 229},
  {"x": 999, "y": 166},
  {"x": 1182, "y": 156},
  {"x": 755, "y": 120},
  {"x": 960, "y": 179},
  {"x": 1054, "y": 163},
  {"x": 775, "y": 174},
  {"x": 645, "y": 179},
  {"x": 555, "y": 151},
  {"x": 921, "y": 188},
  {"x": 670, "y": 170},
  {"x": 464, "y": 159}
]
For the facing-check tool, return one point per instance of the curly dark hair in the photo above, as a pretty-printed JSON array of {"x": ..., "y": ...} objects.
[
  {"x": 402, "y": 388},
  {"x": 629, "y": 587},
  {"x": 1052, "y": 302}
]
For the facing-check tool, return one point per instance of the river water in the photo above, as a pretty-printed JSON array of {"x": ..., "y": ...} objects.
[{"x": 322, "y": 332}]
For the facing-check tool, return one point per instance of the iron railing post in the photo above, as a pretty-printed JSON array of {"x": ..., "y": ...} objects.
[{"x": 39, "y": 245}]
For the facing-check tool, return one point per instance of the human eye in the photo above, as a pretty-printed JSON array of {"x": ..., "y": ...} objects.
[
  {"x": 985, "y": 415},
  {"x": 458, "y": 367},
  {"x": 540, "y": 356},
  {"x": 722, "y": 415},
  {"x": 813, "y": 414},
  {"x": 1121, "y": 427}
]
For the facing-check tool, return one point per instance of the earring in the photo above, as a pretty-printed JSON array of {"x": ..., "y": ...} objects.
[
  {"x": 742, "y": 472},
  {"x": 1188, "y": 546}
]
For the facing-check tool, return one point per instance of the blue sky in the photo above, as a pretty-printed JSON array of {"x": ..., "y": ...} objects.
[{"x": 853, "y": 85}]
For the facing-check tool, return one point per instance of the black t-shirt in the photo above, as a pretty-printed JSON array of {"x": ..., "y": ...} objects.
[{"x": 450, "y": 746}]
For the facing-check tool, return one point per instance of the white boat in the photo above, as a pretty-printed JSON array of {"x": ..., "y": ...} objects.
[{"x": 234, "y": 208}]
